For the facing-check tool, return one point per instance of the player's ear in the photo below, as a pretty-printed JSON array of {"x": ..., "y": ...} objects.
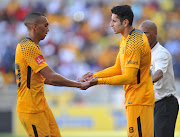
[
  {"x": 125, "y": 23},
  {"x": 34, "y": 27},
  {"x": 155, "y": 32}
]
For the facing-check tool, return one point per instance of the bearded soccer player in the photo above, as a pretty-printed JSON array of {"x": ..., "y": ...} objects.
[
  {"x": 32, "y": 72},
  {"x": 131, "y": 69}
]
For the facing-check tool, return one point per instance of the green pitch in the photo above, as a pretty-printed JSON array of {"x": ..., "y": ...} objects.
[{"x": 89, "y": 134}]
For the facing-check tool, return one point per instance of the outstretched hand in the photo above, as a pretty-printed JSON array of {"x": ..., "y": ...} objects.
[
  {"x": 85, "y": 77},
  {"x": 90, "y": 82}
]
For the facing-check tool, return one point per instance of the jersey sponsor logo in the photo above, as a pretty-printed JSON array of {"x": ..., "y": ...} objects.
[
  {"x": 39, "y": 59},
  {"x": 131, "y": 130},
  {"x": 132, "y": 62}
]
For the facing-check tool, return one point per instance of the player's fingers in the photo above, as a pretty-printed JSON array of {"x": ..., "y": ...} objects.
[
  {"x": 85, "y": 75},
  {"x": 90, "y": 79},
  {"x": 83, "y": 78},
  {"x": 95, "y": 78},
  {"x": 88, "y": 75}
]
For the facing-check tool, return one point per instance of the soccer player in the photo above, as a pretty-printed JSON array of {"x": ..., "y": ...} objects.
[
  {"x": 131, "y": 69},
  {"x": 32, "y": 72},
  {"x": 166, "y": 104}
]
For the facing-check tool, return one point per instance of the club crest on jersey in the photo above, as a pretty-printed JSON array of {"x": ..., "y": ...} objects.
[{"x": 39, "y": 59}]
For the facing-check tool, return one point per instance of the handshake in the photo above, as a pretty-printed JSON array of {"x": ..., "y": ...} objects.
[{"x": 87, "y": 81}]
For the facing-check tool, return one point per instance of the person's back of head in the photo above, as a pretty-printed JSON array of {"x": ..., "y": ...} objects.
[
  {"x": 124, "y": 12},
  {"x": 33, "y": 18}
]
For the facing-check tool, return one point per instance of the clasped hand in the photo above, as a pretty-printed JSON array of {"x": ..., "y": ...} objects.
[{"x": 87, "y": 80}]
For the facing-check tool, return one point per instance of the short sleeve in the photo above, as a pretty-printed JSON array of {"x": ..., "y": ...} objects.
[
  {"x": 32, "y": 55},
  {"x": 161, "y": 61}
]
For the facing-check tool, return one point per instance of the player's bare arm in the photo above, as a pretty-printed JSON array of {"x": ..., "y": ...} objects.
[
  {"x": 157, "y": 75},
  {"x": 52, "y": 78},
  {"x": 92, "y": 82}
]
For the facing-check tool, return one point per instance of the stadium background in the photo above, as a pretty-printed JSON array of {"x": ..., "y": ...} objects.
[{"x": 80, "y": 40}]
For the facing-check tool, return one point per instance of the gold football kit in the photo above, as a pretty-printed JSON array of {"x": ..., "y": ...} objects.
[{"x": 33, "y": 110}]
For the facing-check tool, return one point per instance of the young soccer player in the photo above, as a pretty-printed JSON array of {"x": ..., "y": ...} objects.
[
  {"x": 131, "y": 69},
  {"x": 32, "y": 72}
]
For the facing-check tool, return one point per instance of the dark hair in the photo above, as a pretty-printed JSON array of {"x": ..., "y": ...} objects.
[
  {"x": 124, "y": 12},
  {"x": 33, "y": 17}
]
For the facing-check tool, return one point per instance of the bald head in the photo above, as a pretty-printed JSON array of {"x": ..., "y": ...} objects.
[
  {"x": 150, "y": 29},
  {"x": 33, "y": 18},
  {"x": 149, "y": 24}
]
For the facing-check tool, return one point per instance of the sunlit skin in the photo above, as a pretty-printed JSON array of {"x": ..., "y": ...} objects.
[
  {"x": 120, "y": 27},
  {"x": 38, "y": 31},
  {"x": 116, "y": 24},
  {"x": 150, "y": 29}
]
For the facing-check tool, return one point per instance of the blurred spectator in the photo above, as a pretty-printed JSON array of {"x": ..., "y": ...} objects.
[{"x": 84, "y": 45}]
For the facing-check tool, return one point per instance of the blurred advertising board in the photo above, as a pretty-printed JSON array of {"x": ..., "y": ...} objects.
[{"x": 80, "y": 117}]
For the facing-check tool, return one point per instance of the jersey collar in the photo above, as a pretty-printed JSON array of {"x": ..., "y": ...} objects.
[
  {"x": 155, "y": 47},
  {"x": 29, "y": 38}
]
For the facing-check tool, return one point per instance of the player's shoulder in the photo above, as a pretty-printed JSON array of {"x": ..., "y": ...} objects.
[
  {"x": 136, "y": 33},
  {"x": 135, "y": 38},
  {"x": 27, "y": 47},
  {"x": 27, "y": 42}
]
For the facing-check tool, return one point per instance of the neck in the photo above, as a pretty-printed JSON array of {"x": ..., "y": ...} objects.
[
  {"x": 127, "y": 30},
  {"x": 153, "y": 44},
  {"x": 33, "y": 38}
]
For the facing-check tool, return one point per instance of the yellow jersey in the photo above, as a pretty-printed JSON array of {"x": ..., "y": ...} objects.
[
  {"x": 28, "y": 62},
  {"x": 134, "y": 52}
]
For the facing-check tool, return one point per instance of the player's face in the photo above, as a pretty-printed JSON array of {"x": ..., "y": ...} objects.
[
  {"x": 42, "y": 28},
  {"x": 150, "y": 33},
  {"x": 116, "y": 24}
]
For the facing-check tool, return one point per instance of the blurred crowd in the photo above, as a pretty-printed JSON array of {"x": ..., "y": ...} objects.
[{"x": 80, "y": 38}]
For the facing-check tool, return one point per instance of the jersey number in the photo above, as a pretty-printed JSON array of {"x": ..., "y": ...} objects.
[{"x": 18, "y": 75}]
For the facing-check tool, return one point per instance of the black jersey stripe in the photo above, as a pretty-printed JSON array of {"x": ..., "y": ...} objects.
[
  {"x": 138, "y": 76},
  {"x": 35, "y": 130},
  {"x": 29, "y": 77},
  {"x": 139, "y": 126}
]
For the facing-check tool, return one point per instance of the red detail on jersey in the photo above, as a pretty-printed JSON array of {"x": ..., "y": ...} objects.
[{"x": 39, "y": 59}]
